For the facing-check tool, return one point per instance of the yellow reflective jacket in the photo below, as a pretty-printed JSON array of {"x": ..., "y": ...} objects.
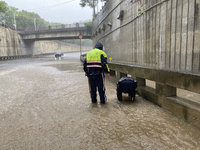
[{"x": 96, "y": 62}]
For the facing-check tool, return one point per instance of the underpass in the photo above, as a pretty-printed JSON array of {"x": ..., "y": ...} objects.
[{"x": 45, "y": 104}]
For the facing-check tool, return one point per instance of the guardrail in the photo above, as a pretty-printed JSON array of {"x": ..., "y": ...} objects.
[
  {"x": 4, "y": 58},
  {"x": 53, "y": 27},
  {"x": 80, "y": 29}
]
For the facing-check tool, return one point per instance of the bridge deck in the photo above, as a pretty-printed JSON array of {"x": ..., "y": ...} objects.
[{"x": 57, "y": 34}]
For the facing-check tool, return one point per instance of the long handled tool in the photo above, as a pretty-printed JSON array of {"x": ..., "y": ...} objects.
[{"x": 89, "y": 85}]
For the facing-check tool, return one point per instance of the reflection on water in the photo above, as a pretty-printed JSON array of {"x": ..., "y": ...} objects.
[{"x": 48, "y": 107}]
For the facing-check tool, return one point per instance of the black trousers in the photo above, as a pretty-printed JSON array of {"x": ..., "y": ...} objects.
[{"x": 97, "y": 81}]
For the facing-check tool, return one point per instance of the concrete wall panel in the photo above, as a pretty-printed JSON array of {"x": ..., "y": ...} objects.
[{"x": 160, "y": 34}]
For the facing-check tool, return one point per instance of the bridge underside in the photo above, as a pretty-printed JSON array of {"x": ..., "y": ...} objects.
[
  {"x": 56, "y": 38},
  {"x": 57, "y": 34}
]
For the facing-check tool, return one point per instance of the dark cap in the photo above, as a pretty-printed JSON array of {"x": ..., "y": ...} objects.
[{"x": 99, "y": 46}]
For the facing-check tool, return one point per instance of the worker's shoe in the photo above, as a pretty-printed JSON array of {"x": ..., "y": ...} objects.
[
  {"x": 120, "y": 99},
  {"x": 132, "y": 98},
  {"x": 94, "y": 101},
  {"x": 103, "y": 102}
]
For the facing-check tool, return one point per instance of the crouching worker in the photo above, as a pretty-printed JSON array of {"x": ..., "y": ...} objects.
[
  {"x": 126, "y": 85},
  {"x": 95, "y": 65}
]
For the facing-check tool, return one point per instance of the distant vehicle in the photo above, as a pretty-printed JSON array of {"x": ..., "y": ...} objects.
[{"x": 58, "y": 55}]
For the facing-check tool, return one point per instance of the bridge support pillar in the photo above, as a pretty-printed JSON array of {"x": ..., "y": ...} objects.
[
  {"x": 112, "y": 73},
  {"x": 122, "y": 74},
  {"x": 116, "y": 75},
  {"x": 141, "y": 81},
  {"x": 163, "y": 91},
  {"x": 119, "y": 75}
]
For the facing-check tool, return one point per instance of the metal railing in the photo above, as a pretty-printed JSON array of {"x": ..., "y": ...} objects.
[
  {"x": 52, "y": 27},
  {"x": 7, "y": 26},
  {"x": 84, "y": 29}
]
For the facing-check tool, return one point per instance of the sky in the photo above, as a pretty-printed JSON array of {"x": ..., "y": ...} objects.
[{"x": 62, "y": 11}]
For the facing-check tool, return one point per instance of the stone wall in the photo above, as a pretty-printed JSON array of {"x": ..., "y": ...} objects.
[{"x": 11, "y": 44}]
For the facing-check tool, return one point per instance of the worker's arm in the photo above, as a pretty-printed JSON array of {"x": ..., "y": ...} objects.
[
  {"x": 85, "y": 67},
  {"x": 104, "y": 63}
]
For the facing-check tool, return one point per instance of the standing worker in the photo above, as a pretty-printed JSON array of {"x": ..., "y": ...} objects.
[{"x": 95, "y": 65}]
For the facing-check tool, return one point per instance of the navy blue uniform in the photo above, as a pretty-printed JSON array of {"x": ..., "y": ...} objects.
[
  {"x": 126, "y": 85},
  {"x": 97, "y": 81},
  {"x": 94, "y": 66}
]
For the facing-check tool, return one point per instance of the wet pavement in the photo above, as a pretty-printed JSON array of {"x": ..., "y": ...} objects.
[{"x": 45, "y": 105}]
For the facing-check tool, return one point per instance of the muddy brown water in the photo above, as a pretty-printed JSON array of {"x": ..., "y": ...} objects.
[{"x": 45, "y": 105}]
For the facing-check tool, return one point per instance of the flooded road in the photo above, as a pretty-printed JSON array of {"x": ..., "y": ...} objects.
[{"x": 45, "y": 105}]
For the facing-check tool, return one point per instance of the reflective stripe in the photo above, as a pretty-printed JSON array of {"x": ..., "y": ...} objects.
[
  {"x": 108, "y": 68},
  {"x": 93, "y": 62},
  {"x": 93, "y": 66}
]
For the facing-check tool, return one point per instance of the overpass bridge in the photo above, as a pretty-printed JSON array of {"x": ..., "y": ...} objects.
[{"x": 56, "y": 34}]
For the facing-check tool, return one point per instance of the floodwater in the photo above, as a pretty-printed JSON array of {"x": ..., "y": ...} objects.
[{"x": 45, "y": 105}]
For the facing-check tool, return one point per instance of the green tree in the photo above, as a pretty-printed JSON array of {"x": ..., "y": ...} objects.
[
  {"x": 23, "y": 20},
  {"x": 90, "y": 3},
  {"x": 88, "y": 24},
  {"x": 30, "y": 20},
  {"x": 9, "y": 16},
  {"x": 3, "y": 6},
  {"x": 3, "y": 9}
]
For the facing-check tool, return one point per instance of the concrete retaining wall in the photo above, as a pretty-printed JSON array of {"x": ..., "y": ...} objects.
[
  {"x": 42, "y": 47},
  {"x": 11, "y": 43},
  {"x": 162, "y": 34}
]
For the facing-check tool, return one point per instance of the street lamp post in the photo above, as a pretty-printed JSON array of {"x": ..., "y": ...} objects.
[
  {"x": 15, "y": 24},
  {"x": 80, "y": 37},
  {"x": 35, "y": 23},
  {"x": 80, "y": 48}
]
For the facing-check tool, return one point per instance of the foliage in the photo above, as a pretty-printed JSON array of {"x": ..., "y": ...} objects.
[
  {"x": 7, "y": 17},
  {"x": 88, "y": 24},
  {"x": 29, "y": 20},
  {"x": 90, "y": 3},
  {"x": 24, "y": 20},
  {"x": 3, "y": 6}
]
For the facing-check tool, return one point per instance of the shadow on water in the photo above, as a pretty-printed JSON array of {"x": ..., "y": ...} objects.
[
  {"x": 67, "y": 67},
  {"x": 112, "y": 103},
  {"x": 127, "y": 100}
]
